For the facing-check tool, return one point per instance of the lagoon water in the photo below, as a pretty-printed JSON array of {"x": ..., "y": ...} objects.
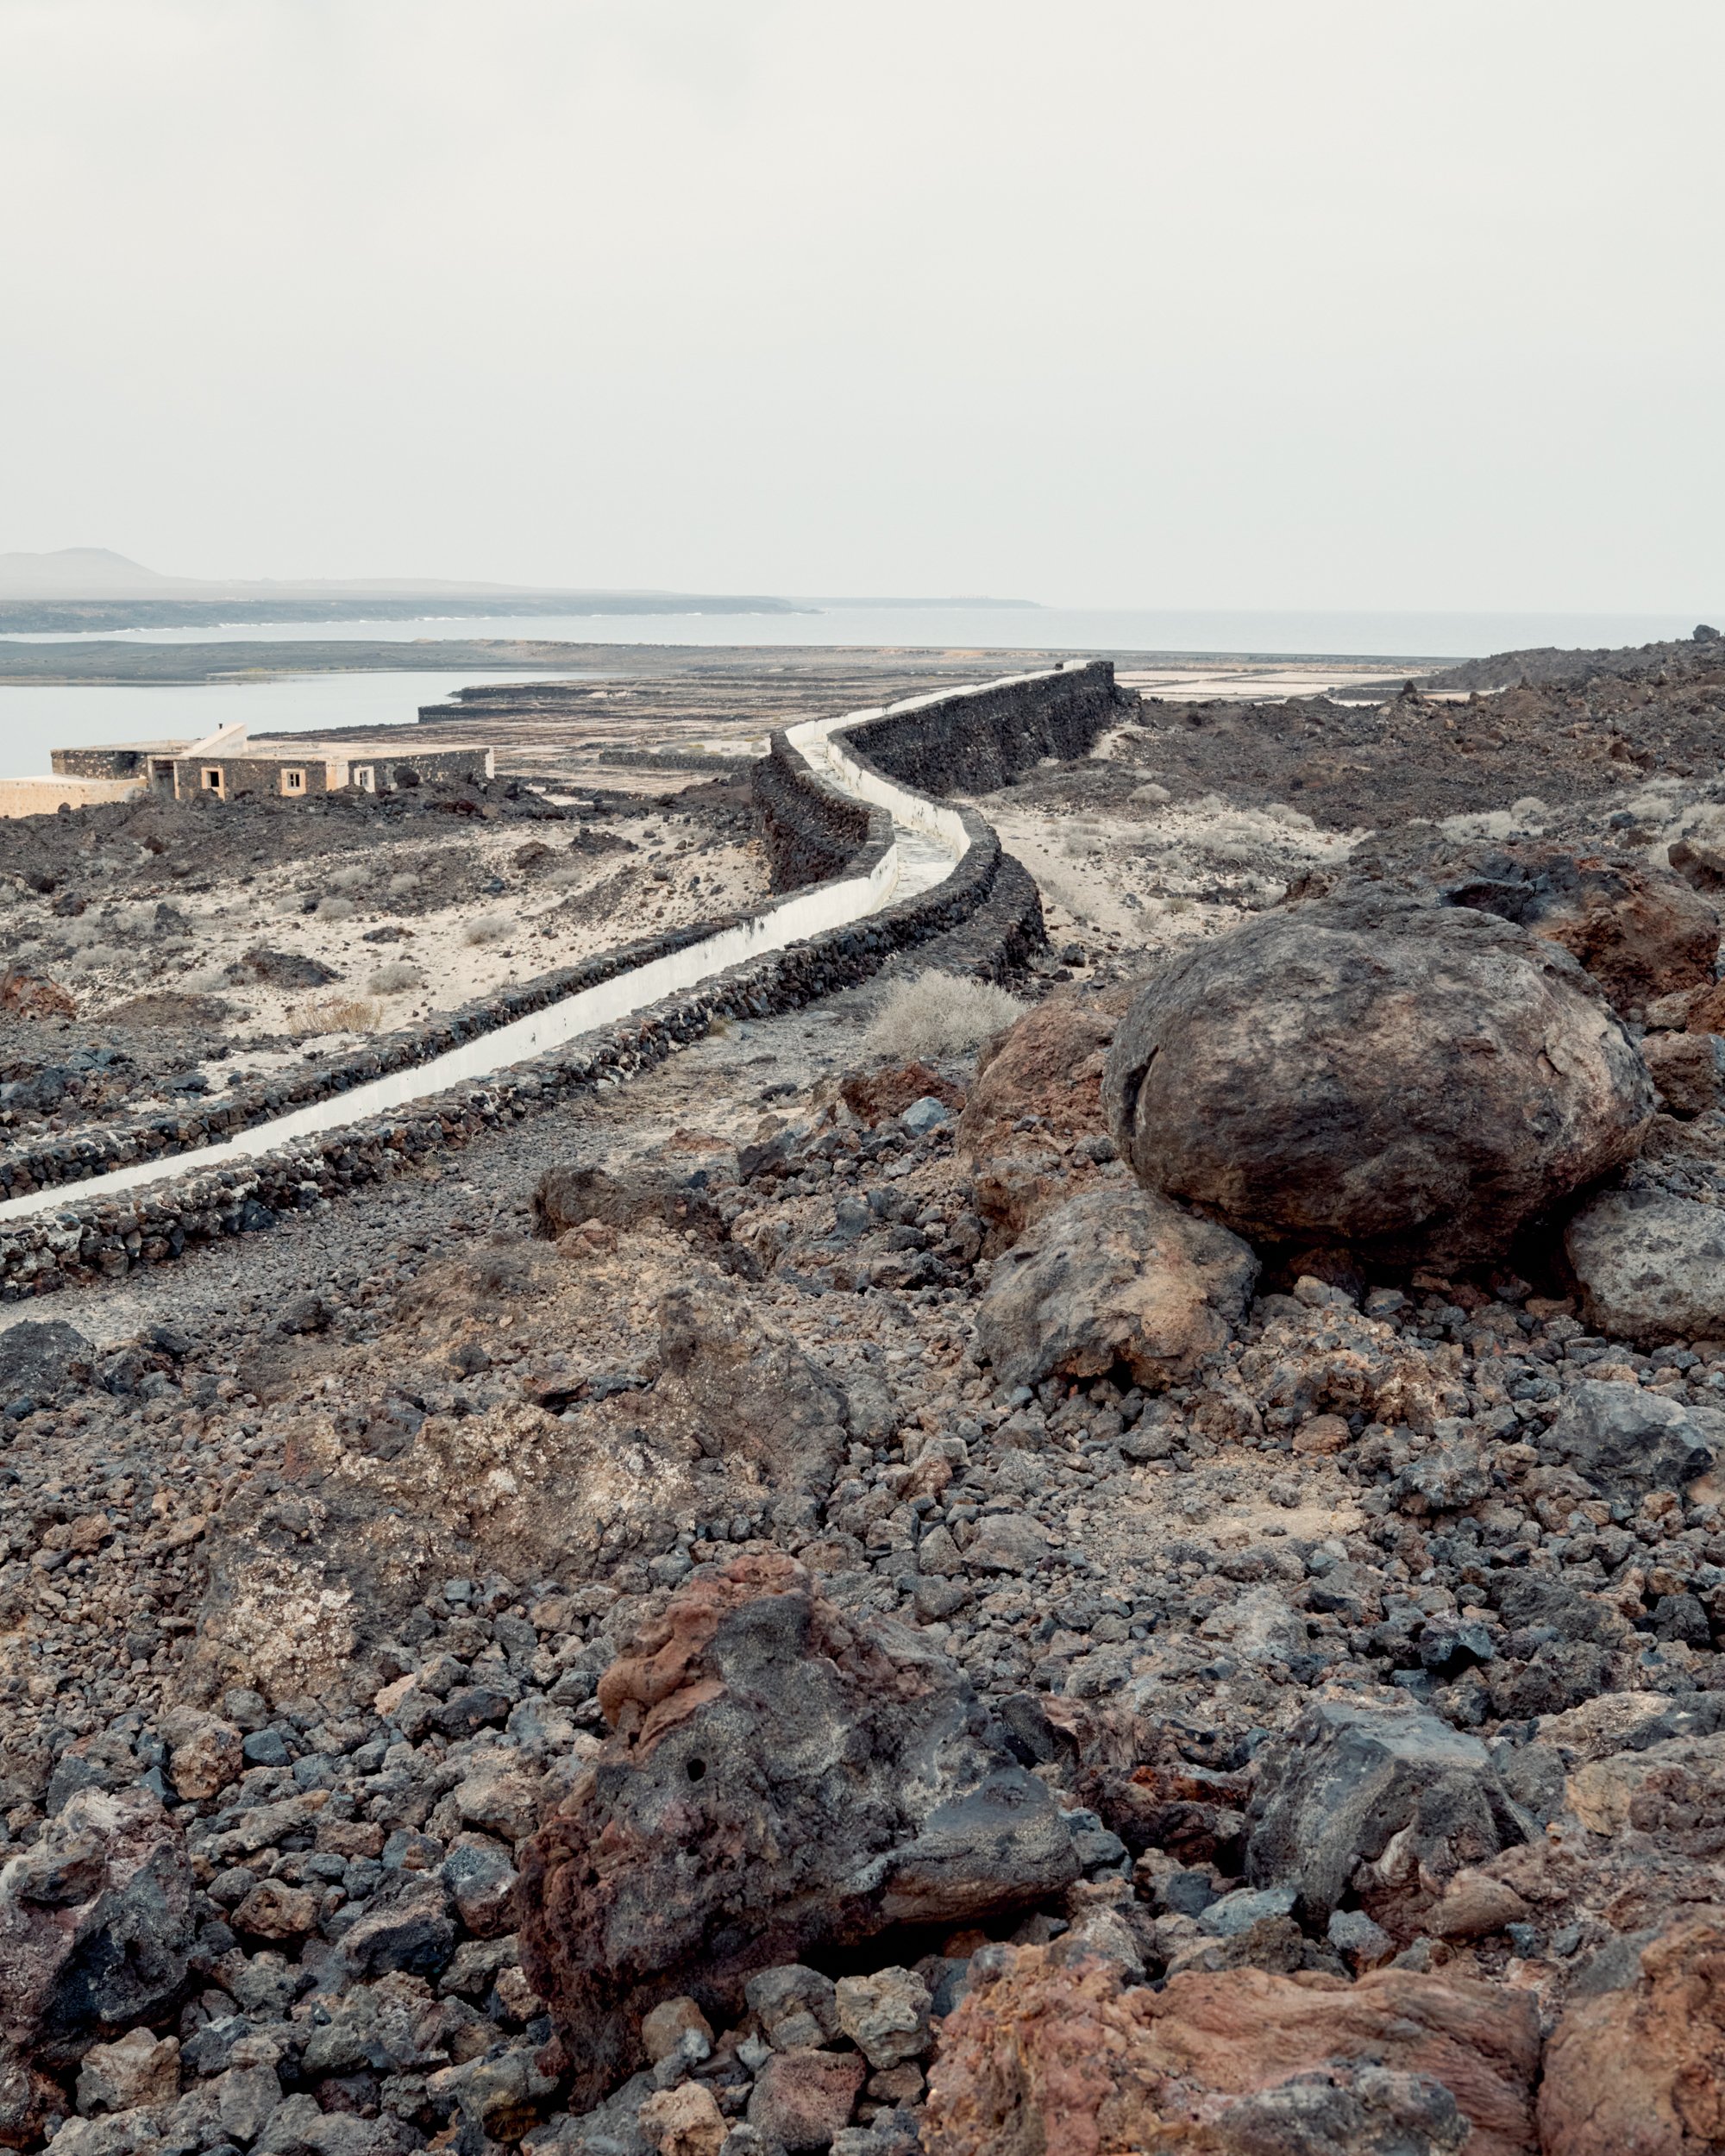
[{"x": 35, "y": 720}]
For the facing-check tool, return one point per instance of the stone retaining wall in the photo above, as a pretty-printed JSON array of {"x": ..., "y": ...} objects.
[
  {"x": 812, "y": 830},
  {"x": 79, "y": 1155},
  {"x": 975, "y": 740}
]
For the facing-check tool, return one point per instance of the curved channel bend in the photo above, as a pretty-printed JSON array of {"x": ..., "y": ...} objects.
[{"x": 929, "y": 840}]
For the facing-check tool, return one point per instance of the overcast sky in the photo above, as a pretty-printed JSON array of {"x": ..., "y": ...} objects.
[{"x": 1230, "y": 303}]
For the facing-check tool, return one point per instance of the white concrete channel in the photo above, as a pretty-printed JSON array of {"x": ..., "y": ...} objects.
[{"x": 929, "y": 841}]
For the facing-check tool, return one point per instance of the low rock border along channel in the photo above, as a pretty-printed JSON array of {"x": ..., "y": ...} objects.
[{"x": 841, "y": 801}]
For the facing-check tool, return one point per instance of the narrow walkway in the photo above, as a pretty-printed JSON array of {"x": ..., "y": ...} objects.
[{"x": 929, "y": 840}]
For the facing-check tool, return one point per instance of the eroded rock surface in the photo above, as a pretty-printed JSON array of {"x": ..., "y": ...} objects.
[
  {"x": 825, "y": 1781},
  {"x": 1037, "y": 1094},
  {"x": 1065, "y": 2059},
  {"x": 1411, "y": 1080},
  {"x": 1651, "y": 1265},
  {"x": 1118, "y": 1275}
]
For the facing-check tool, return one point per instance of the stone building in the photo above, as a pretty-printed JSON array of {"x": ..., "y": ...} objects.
[{"x": 230, "y": 767}]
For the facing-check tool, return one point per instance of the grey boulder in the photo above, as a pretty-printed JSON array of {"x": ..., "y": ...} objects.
[
  {"x": 1651, "y": 1266},
  {"x": 95, "y": 1927},
  {"x": 1332, "y": 1793},
  {"x": 1624, "y": 1439},
  {"x": 1118, "y": 1276},
  {"x": 1417, "y": 1083},
  {"x": 38, "y": 1360}
]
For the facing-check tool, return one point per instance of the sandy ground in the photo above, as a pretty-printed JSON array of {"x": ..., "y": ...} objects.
[
  {"x": 1149, "y": 877},
  {"x": 404, "y": 929}
]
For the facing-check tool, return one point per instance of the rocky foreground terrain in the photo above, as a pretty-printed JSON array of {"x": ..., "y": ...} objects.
[{"x": 1145, "y": 1572}]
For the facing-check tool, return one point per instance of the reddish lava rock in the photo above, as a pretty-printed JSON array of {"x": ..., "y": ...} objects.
[
  {"x": 1064, "y": 2060},
  {"x": 1640, "y": 2070},
  {"x": 781, "y": 1779}
]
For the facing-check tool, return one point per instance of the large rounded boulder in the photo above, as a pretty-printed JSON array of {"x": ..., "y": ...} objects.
[
  {"x": 1642, "y": 931},
  {"x": 1415, "y": 1082}
]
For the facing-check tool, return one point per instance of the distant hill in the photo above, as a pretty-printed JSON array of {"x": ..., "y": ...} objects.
[
  {"x": 80, "y": 575},
  {"x": 78, "y": 572}
]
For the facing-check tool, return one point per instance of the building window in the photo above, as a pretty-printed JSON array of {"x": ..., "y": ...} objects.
[
  {"x": 292, "y": 781},
  {"x": 365, "y": 778},
  {"x": 212, "y": 779}
]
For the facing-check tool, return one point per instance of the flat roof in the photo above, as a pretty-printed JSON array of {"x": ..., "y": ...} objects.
[
  {"x": 126, "y": 748},
  {"x": 271, "y": 751}
]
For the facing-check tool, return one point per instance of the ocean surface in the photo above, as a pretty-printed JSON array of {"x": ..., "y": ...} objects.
[
  {"x": 35, "y": 720},
  {"x": 1189, "y": 633}
]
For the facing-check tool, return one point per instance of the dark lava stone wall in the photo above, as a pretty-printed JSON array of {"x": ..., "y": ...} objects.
[
  {"x": 985, "y": 916},
  {"x": 971, "y": 742},
  {"x": 811, "y": 831},
  {"x": 984, "y": 919},
  {"x": 974, "y": 742}
]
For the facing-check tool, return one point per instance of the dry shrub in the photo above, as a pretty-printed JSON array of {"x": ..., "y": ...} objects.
[
  {"x": 488, "y": 928},
  {"x": 399, "y": 886},
  {"x": 395, "y": 978},
  {"x": 336, "y": 1014},
  {"x": 348, "y": 879},
  {"x": 935, "y": 1014},
  {"x": 337, "y": 909}
]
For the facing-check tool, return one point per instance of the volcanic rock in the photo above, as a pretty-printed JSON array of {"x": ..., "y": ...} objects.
[
  {"x": 96, "y": 1934},
  {"x": 1045, "y": 1074},
  {"x": 780, "y": 1779},
  {"x": 1640, "y": 2069},
  {"x": 27, "y": 995},
  {"x": 1412, "y": 1081},
  {"x": 1689, "y": 1070},
  {"x": 37, "y": 1359},
  {"x": 1622, "y": 1439},
  {"x": 872, "y": 1096},
  {"x": 569, "y": 1196},
  {"x": 748, "y": 1391},
  {"x": 1118, "y": 1276},
  {"x": 1642, "y": 932},
  {"x": 803, "y": 2098},
  {"x": 1651, "y": 1265},
  {"x": 1673, "y": 1791},
  {"x": 1334, "y": 1791},
  {"x": 1066, "y": 2060}
]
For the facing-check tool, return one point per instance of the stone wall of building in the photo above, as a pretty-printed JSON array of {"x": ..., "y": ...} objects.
[{"x": 46, "y": 797}]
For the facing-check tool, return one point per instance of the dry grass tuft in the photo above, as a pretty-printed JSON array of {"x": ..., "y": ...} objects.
[
  {"x": 395, "y": 978},
  {"x": 488, "y": 928},
  {"x": 935, "y": 1014},
  {"x": 338, "y": 1012}
]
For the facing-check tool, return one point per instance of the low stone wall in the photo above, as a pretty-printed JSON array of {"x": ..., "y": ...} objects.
[
  {"x": 975, "y": 740},
  {"x": 811, "y": 831},
  {"x": 79, "y": 1155},
  {"x": 985, "y": 919},
  {"x": 104, "y": 1238}
]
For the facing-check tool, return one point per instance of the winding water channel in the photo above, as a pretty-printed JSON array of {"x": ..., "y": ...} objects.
[{"x": 929, "y": 840}]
